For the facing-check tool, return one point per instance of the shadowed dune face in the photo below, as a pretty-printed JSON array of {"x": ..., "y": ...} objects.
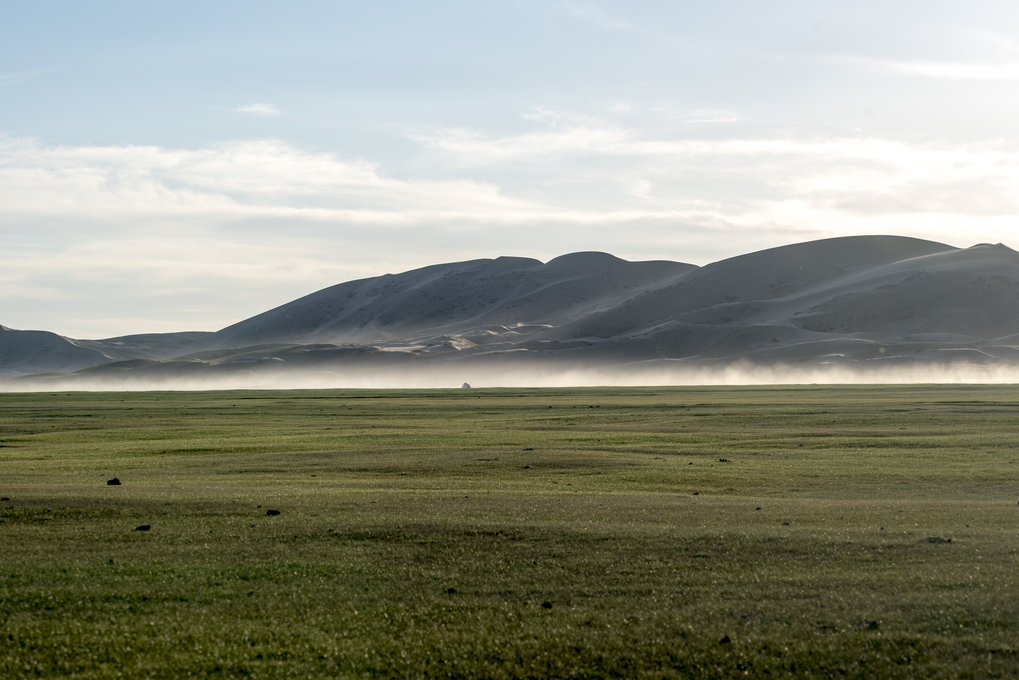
[
  {"x": 453, "y": 298},
  {"x": 882, "y": 307},
  {"x": 38, "y": 351}
]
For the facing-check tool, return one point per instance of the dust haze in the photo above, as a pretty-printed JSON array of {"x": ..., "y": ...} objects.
[{"x": 538, "y": 375}]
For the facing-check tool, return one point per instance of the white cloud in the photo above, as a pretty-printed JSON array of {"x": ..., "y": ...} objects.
[
  {"x": 712, "y": 116},
  {"x": 258, "y": 179},
  {"x": 597, "y": 16},
  {"x": 613, "y": 171},
  {"x": 640, "y": 187},
  {"x": 258, "y": 109},
  {"x": 563, "y": 137},
  {"x": 949, "y": 70}
]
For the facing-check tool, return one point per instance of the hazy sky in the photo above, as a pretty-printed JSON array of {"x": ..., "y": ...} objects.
[{"x": 183, "y": 165}]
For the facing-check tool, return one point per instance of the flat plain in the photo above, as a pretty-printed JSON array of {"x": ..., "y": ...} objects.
[{"x": 865, "y": 531}]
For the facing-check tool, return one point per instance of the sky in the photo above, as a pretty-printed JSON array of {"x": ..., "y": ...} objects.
[{"x": 171, "y": 166}]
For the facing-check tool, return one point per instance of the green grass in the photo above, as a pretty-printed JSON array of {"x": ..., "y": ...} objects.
[{"x": 512, "y": 533}]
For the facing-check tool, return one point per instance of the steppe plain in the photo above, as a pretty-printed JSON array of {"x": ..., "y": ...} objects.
[{"x": 814, "y": 531}]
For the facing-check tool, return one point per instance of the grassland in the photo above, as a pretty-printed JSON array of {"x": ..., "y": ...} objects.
[{"x": 782, "y": 532}]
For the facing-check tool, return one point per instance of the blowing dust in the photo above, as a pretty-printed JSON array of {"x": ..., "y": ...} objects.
[{"x": 501, "y": 374}]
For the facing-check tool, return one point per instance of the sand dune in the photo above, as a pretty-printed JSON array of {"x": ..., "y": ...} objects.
[
  {"x": 873, "y": 302},
  {"x": 42, "y": 351},
  {"x": 453, "y": 298}
]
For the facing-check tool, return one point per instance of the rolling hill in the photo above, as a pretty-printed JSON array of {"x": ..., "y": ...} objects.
[{"x": 855, "y": 301}]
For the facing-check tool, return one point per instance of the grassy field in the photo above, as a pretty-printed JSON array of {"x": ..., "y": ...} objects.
[{"x": 864, "y": 532}]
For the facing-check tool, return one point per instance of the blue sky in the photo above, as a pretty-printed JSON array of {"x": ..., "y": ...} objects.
[{"x": 181, "y": 166}]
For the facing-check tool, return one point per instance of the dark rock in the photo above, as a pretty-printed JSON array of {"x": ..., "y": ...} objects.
[
  {"x": 143, "y": 527},
  {"x": 726, "y": 640},
  {"x": 113, "y": 482},
  {"x": 272, "y": 513},
  {"x": 785, "y": 524},
  {"x": 451, "y": 591},
  {"x": 546, "y": 604}
]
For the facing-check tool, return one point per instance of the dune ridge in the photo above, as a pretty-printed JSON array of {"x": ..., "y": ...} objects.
[{"x": 873, "y": 304}]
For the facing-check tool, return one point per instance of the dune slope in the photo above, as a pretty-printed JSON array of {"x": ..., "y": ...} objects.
[{"x": 853, "y": 300}]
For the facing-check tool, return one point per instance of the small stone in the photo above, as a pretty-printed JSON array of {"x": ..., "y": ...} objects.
[
  {"x": 272, "y": 513},
  {"x": 143, "y": 527},
  {"x": 113, "y": 482}
]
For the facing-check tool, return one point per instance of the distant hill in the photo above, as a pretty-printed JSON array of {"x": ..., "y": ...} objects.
[
  {"x": 40, "y": 351},
  {"x": 867, "y": 300},
  {"x": 462, "y": 297}
]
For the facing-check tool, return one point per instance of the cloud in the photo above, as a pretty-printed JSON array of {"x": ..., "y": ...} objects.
[
  {"x": 712, "y": 116},
  {"x": 258, "y": 109},
  {"x": 808, "y": 186},
  {"x": 564, "y": 136},
  {"x": 607, "y": 174},
  {"x": 254, "y": 179},
  {"x": 597, "y": 16},
  {"x": 581, "y": 172},
  {"x": 1004, "y": 71}
]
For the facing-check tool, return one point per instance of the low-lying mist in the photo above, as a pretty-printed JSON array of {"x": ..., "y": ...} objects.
[{"x": 502, "y": 374}]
